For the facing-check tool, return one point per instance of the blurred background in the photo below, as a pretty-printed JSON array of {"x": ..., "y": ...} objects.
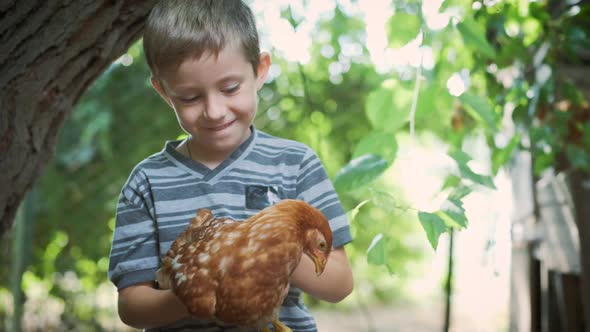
[{"x": 420, "y": 112}]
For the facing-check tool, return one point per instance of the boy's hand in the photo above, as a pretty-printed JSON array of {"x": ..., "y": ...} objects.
[
  {"x": 143, "y": 307},
  {"x": 162, "y": 281}
]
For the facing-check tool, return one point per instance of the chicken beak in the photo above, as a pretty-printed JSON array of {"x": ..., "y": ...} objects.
[{"x": 320, "y": 264}]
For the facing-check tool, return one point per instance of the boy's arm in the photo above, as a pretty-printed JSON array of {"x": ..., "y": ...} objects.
[
  {"x": 142, "y": 306},
  {"x": 333, "y": 285},
  {"x": 314, "y": 187},
  {"x": 134, "y": 240}
]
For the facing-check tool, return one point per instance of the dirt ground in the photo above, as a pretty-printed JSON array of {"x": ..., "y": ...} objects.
[
  {"x": 397, "y": 319},
  {"x": 406, "y": 318},
  {"x": 382, "y": 320}
]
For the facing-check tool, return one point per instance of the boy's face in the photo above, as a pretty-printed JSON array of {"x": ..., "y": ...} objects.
[{"x": 214, "y": 98}]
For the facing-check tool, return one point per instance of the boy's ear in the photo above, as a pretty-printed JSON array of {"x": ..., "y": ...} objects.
[
  {"x": 160, "y": 89},
  {"x": 262, "y": 70}
]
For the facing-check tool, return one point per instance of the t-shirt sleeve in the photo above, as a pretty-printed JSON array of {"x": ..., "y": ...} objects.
[
  {"x": 134, "y": 255},
  {"x": 314, "y": 187}
]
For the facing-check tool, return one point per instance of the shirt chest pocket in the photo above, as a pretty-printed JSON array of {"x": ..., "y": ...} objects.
[{"x": 259, "y": 197}]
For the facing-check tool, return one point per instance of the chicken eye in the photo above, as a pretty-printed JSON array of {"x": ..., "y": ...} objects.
[{"x": 323, "y": 246}]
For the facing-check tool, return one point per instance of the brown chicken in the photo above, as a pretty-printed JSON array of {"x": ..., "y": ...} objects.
[{"x": 238, "y": 272}]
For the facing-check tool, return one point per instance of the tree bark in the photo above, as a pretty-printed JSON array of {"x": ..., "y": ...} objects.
[{"x": 51, "y": 52}]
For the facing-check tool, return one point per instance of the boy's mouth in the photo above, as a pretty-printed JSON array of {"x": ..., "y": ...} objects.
[{"x": 221, "y": 127}]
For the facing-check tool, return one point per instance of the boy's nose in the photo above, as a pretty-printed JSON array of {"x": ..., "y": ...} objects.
[{"x": 214, "y": 109}]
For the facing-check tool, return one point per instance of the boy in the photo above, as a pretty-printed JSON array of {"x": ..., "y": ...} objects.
[{"x": 207, "y": 66}]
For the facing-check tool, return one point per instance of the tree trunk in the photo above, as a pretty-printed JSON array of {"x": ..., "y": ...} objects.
[{"x": 51, "y": 52}]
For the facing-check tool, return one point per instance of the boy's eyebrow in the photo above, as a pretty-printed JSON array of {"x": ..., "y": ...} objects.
[
  {"x": 225, "y": 79},
  {"x": 231, "y": 77}
]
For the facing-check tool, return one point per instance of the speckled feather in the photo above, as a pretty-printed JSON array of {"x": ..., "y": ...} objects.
[{"x": 236, "y": 272}]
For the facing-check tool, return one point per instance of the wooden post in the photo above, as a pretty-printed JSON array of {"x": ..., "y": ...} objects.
[
  {"x": 524, "y": 283},
  {"x": 579, "y": 184}
]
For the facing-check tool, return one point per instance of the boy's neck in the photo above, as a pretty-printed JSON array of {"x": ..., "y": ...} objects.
[{"x": 210, "y": 159}]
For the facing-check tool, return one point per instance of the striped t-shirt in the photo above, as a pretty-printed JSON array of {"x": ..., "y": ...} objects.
[{"x": 165, "y": 190}]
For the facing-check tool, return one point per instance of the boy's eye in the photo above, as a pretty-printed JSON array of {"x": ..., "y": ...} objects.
[
  {"x": 231, "y": 89},
  {"x": 189, "y": 99}
]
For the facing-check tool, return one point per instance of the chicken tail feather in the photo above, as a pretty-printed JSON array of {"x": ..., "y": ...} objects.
[{"x": 203, "y": 217}]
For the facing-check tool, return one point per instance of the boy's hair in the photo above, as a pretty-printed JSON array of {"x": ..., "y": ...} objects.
[{"x": 178, "y": 29}]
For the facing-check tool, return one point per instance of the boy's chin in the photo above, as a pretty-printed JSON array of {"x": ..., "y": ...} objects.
[{"x": 227, "y": 144}]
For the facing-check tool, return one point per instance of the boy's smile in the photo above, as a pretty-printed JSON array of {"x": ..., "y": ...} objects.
[
  {"x": 222, "y": 127},
  {"x": 215, "y": 100}
]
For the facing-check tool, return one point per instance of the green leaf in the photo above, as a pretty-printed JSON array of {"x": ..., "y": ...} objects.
[
  {"x": 578, "y": 158},
  {"x": 387, "y": 201},
  {"x": 480, "y": 109},
  {"x": 359, "y": 171},
  {"x": 388, "y": 108},
  {"x": 452, "y": 220},
  {"x": 376, "y": 254},
  {"x": 459, "y": 218},
  {"x": 474, "y": 36},
  {"x": 453, "y": 213},
  {"x": 433, "y": 225},
  {"x": 454, "y": 204},
  {"x": 483, "y": 180},
  {"x": 30, "y": 281},
  {"x": 532, "y": 30},
  {"x": 351, "y": 215},
  {"x": 290, "y": 16},
  {"x": 576, "y": 34},
  {"x": 586, "y": 131},
  {"x": 379, "y": 103},
  {"x": 435, "y": 106},
  {"x": 454, "y": 3},
  {"x": 501, "y": 157},
  {"x": 451, "y": 181},
  {"x": 461, "y": 158},
  {"x": 402, "y": 28},
  {"x": 53, "y": 251},
  {"x": 459, "y": 193},
  {"x": 377, "y": 142},
  {"x": 542, "y": 162}
]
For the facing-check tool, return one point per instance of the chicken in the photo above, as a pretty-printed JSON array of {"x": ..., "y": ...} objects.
[{"x": 238, "y": 272}]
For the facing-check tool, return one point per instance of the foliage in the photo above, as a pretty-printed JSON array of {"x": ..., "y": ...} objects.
[
  {"x": 537, "y": 43},
  {"x": 392, "y": 108},
  {"x": 500, "y": 39}
]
